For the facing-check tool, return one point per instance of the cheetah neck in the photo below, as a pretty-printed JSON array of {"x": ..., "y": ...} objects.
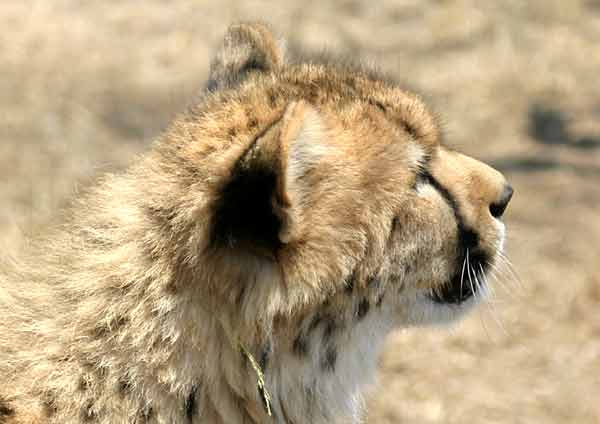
[
  {"x": 315, "y": 367},
  {"x": 318, "y": 367}
]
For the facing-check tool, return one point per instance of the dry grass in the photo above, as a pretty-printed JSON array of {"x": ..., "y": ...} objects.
[{"x": 85, "y": 85}]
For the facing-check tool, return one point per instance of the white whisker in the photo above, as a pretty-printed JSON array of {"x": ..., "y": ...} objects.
[
  {"x": 512, "y": 271},
  {"x": 494, "y": 270},
  {"x": 462, "y": 274},
  {"x": 469, "y": 275},
  {"x": 490, "y": 305},
  {"x": 478, "y": 294},
  {"x": 494, "y": 312}
]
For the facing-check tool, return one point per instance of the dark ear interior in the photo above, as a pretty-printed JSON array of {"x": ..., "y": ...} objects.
[
  {"x": 262, "y": 205},
  {"x": 244, "y": 216},
  {"x": 246, "y": 48},
  {"x": 247, "y": 213}
]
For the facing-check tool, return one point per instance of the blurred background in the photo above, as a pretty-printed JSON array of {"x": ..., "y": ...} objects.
[{"x": 86, "y": 85}]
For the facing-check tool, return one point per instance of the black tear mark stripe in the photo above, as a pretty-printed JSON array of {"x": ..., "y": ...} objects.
[{"x": 468, "y": 238}]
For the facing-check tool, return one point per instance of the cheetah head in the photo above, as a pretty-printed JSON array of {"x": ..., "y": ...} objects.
[{"x": 327, "y": 177}]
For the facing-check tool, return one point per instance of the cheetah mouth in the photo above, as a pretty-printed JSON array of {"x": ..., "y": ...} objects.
[{"x": 466, "y": 282}]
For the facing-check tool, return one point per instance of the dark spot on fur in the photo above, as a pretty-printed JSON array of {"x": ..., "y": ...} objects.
[
  {"x": 349, "y": 288},
  {"x": 254, "y": 63},
  {"x": 241, "y": 295},
  {"x": 232, "y": 132},
  {"x": 102, "y": 371},
  {"x": 300, "y": 345},
  {"x": 145, "y": 414},
  {"x": 5, "y": 409},
  {"x": 252, "y": 123},
  {"x": 350, "y": 82},
  {"x": 101, "y": 331},
  {"x": 379, "y": 300},
  {"x": 64, "y": 358},
  {"x": 330, "y": 327},
  {"x": 410, "y": 130},
  {"x": 394, "y": 228},
  {"x": 85, "y": 381},
  {"x": 124, "y": 385},
  {"x": 378, "y": 105},
  {"x": 88, "y": 413},
  {"x": 329, "y": 359},
  {"x": 212, "y": 85},
  {"x": 190, "y": 405},
  {"x": 317, "y": 319},
  {"x": 264, "y": 357},
  {"x": 272, "y": 99},
  {"x": 49, "y": 403},
  {"x": 363, "y": 308}
]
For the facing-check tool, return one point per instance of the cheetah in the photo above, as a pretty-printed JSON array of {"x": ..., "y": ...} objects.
[{"x": 248, "y": 267}]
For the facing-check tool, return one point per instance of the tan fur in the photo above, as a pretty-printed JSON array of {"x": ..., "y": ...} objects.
[{"x": 283, "y": 214}]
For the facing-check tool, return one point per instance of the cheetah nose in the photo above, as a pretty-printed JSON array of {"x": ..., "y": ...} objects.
[{"x": 498, "y": 207}]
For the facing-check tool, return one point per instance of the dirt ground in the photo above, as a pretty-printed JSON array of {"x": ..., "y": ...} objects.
[{"x": 84, "y": 86}]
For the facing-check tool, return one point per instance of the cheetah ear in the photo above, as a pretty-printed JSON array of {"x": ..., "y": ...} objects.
[
  {"x": 264, "y": 202},
  {"x": 246, "y": 48}
]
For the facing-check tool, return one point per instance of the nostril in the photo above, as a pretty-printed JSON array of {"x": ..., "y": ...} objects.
[{"x": 498, "y": 207}]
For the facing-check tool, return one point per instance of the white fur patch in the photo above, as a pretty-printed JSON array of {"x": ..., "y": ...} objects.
[{"x": 308, "y": 147}]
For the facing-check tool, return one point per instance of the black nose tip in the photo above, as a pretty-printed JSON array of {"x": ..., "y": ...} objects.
[{"x": 498, "y": 207}]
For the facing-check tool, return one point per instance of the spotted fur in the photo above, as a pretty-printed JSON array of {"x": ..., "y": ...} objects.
[{"x": 292, "y": 218}]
